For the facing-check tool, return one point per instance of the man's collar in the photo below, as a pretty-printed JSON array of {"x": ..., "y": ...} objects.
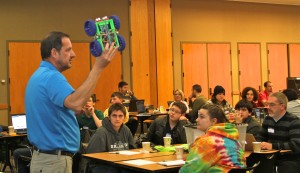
[{"x": 279, "y": 117}]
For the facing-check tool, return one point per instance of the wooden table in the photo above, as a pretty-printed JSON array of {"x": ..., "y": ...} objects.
[
  {"x": 248, "y": 153},
  {"x": 155, "y": 167},
  {"x": 111, "y": 158},
  {"x": 8, "y": 138}
]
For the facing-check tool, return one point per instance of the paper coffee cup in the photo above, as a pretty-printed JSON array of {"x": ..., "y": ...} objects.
[
  {"x": 167, "y": 141},
  {"x": 256, "y": 147},
  {"x": 146, "y": 147},
  {"x": 179, "y": 152},
  {"x": 11, "y": 130}
]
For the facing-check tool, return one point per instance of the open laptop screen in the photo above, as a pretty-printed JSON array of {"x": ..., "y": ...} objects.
[
  {"x": 137, "y": 106},
  {"x": 19, "y": 121}
]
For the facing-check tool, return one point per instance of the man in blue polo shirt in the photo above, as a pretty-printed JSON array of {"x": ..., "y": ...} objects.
[{"x": 51, "y": 101}]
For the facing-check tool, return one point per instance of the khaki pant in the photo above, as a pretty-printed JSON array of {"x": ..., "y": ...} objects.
[{"x": 48, "y": 163}]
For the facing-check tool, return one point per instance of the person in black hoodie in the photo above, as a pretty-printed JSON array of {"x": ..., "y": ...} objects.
[{"x": 111, "y": 136}]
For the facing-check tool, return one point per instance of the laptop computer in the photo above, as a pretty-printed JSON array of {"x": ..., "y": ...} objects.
[
  {"x": 19, "y": 123},
  {"x": 249, "y": 139},
  {"x": 137, "y": 106}
]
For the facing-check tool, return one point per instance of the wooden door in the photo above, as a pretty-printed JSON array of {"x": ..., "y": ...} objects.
[
  {"x": 163, "y": 51},
  {"x": 108, "y": 82},
  {"x": 219, "y": 68},
  {"x": 24, "y": 59},
  {"x": 277, "y": 65},
  {"x": 143, "y": 42},
  {"x": 81, "y": 65},
  {"x": 249, "y": 65},
  {"x": 194, "y": 60},
  {"x": 294, "y": 60}
]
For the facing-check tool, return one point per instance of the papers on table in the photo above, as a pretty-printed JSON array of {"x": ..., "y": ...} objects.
[
  {"x": 139, "y": 162},
  {"x": 143, "y": 115},
  {"x": 125, "y": 152},
  {"x": 172, "y": 163}
]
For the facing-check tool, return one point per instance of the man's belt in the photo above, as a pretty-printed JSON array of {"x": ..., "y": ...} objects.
[{"x": 54, "y": 152}]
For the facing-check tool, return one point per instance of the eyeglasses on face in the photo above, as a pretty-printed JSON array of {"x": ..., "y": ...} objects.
[
  {"x": 175, "y": 111},
  {"x": 273, "y": 104}
]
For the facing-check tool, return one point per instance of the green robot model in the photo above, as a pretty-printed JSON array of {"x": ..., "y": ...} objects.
[{"x": 104, "y": 30}]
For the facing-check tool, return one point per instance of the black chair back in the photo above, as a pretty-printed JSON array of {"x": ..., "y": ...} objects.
[
  {"x": 267, "y": 162},
  {"x": 244, "y": 170}
]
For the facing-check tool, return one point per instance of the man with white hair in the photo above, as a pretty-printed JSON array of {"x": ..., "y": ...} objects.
[{"x": 281, "y": 131}]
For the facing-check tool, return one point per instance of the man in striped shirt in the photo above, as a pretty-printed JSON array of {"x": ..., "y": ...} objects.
[{"x": 281, "y": 131}]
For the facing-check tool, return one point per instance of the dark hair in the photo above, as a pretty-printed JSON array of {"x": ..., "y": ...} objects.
[
  {"x": 291, "y": 94},
  {"x": 122, "y": 83},
  {"x": 266, "y": 83},
  {"x": 52, "y": 40},
  {"x": 245, "y": 90},
  {"x": 117, "y": 94},
  {"x": 244, "y": 104},
  {"x": 181, "y": 106},
  {"x": 215, "y": 111},
  {"x": 197, "y": 87},
  {"x": 117, "y": 107},
  {"x": 93, "y": 96},
  {"x": 217, "y": 90}
]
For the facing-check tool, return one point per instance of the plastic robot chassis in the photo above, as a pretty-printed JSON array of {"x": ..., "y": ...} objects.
[{"x": 104, "y": 30}]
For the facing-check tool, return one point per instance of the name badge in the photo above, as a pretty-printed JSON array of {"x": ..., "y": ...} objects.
[{"x": 270, "y": 130}]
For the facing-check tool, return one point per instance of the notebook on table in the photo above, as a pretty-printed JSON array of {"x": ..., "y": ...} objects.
[{"x": 19, "y": 123}]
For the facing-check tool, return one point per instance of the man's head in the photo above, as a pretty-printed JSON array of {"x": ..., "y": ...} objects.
[
  {"x": 116, "y": 97},
  {"x": 244, "y": 108},
  {"x": 268, "y": 86},
  {"x": 291, "y": 94},
  {"x": 116, "y": 115},
  {"x": 56, "y": 48},
  {"x": 196, "y": 89},
  {"x": 89, "y": 106},
  {"x": 176, "y": 111},
  {"x": 123, "y": 87},
  {"x": 277, "y": 103},
  {"x": 91, "y": 101}
]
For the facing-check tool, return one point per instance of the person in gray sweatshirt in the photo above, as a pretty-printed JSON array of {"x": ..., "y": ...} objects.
[{"x": 111, "y": 136}]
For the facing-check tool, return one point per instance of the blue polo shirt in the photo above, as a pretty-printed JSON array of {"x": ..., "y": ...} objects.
[{"x": 50, "y": 125}]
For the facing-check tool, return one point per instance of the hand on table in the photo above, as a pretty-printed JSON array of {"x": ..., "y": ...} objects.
[{"x": 266, "y": 146}]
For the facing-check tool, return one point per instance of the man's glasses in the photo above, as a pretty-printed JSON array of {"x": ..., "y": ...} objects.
[
  {"x": 175, "y": 111},
  {"x": 273, "y": 104}
]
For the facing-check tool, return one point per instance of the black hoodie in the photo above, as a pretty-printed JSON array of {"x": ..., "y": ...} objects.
[{"x": 107, "y": 139}]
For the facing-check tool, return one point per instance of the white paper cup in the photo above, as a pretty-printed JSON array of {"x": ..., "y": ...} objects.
[
  {"x": 11, "y": 130},
  {"x": 167, "y": 141},
  {"x": 146, "y": 147},
  {"x": 179, "y": 152},
  {"x": 256, "y": 147}
]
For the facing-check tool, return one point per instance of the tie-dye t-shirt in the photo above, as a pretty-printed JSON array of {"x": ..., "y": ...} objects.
[{"x": 217, "y": 151}]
